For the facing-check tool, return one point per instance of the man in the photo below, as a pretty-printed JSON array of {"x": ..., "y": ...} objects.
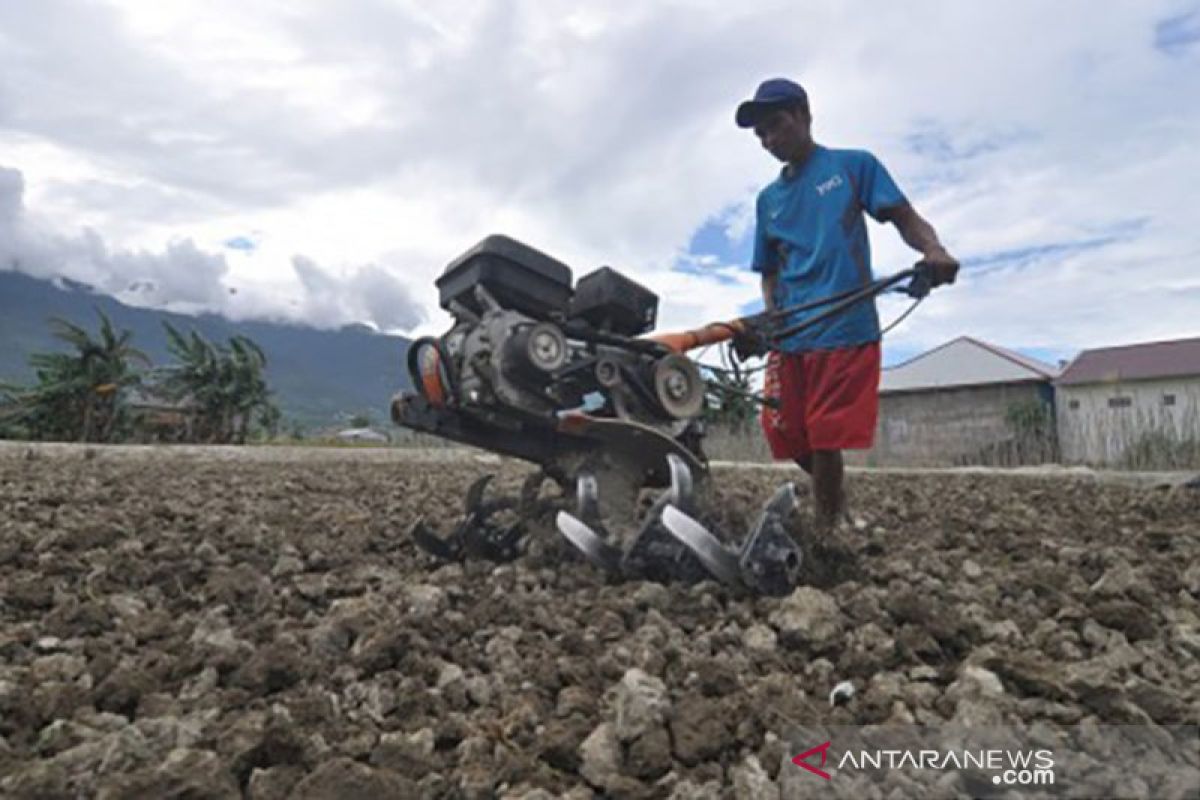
[{"x": 811, "y": 243}]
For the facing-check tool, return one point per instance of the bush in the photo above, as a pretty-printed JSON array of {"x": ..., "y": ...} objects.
[{"x": 1159, "y": 450}]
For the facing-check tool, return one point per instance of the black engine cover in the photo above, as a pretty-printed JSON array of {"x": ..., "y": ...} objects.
[
  {"x": 519, "y": 277},
  {"x": 609, "y": 301}
]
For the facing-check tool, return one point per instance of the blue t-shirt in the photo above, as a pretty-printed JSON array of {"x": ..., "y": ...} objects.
[{"x": 810, "y": 229}]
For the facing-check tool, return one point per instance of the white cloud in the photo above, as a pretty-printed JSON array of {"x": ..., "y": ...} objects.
[
  {"x": 183, "y": 277},
  {"x": 397, "y": 134}
]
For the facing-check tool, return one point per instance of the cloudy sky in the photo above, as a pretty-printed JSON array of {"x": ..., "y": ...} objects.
[{"x": 323, "y": 161}]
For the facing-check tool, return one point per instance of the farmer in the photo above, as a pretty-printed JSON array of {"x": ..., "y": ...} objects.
[{"x": 811, "y": 242}]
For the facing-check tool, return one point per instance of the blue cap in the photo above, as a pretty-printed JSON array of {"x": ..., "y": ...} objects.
[{"x": 771, "y": 94}]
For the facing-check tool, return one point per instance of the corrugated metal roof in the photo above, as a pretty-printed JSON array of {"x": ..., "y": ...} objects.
[
  {"x": 1134, "y": 362},
  {"x": 964, "y": 361},
  {"x": 150, "y": 397}
]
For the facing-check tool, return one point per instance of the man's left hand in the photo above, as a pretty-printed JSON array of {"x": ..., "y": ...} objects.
[{"x": 751, "y": 342}]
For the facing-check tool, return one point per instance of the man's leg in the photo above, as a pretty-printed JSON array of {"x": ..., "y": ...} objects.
[
  {"x": 825, "y": 466},
  {"x": 829, "y": 483},
  {"x": 828, "y": 472},
  {"x": 842, "y": 413}
]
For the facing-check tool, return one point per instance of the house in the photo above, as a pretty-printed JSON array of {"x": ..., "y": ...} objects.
[
  {"x": 1135, "y": 405},
  {"x": 965, "y": 402},
  {"x": 159, "y": 418},
  {"x": 369, "y": 435}
]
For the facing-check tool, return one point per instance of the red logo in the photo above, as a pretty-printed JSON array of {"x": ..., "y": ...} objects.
[{"x": 799, "y": 760}]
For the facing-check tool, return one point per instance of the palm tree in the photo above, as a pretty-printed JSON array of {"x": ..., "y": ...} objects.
[
  {"x": 248, "y": 387},
  {"x": 226, "y": 383},
  {"x": 194, "y": 378},
  {"x": 78, "y": 394}
]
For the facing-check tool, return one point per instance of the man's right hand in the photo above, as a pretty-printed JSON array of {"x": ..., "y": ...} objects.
[{"x": 943, "y": 267}]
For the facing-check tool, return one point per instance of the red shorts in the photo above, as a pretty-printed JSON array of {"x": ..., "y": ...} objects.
[{"x": 829, "y": 400}]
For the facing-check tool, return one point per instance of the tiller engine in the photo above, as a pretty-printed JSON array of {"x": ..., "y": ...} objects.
[{"x": 565, "y": 377}]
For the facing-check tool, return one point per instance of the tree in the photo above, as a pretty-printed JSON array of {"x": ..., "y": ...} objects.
[
  {"x": 193, "y": 380},
  {"x": 730, "y": 399},
  {"x": 1035, "y": 439},
  {"x": 225, "y": 384},
  {"x": 79, "y": 394},
  {"x": 296, "y": 429},
  {"x": 247, "y": 390},
  {"x": 269, "y": 419}
]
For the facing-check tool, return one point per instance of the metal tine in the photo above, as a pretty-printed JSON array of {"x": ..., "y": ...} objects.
[
  {"x": 783, "y": 502},
  {"x": 586, "y": 531},
  {"x": 446, "y": 549},
  {"x": 587, "y": 498},
  {"x": 530, "y": 489},
  {"x": 682, "y": 485},
  {"x": 721, "y": 563},
  {"x": 770, "y": 559},
  {"x": 588, "y": 542},
  {"x": 474, "y": 497},
  {"x": 655, "y": 554},
  {"x": 500, "y": 544}
]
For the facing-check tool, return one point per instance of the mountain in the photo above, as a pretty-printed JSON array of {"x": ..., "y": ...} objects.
[{"x": 319, "y": 376}]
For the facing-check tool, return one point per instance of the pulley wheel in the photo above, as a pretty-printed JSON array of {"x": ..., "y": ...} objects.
[
  {"x": 546, "y": 347},
  {"x": 678, "y": 386},
  {"x": 608, "y": 373}
]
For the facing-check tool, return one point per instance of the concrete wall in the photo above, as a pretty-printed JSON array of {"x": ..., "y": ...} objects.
[
  {"x": 956, "y": 426},
  {"x": 1111, "y": 423}
]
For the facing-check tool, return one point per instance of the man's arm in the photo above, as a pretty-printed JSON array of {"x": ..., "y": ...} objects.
[
  {"x": 918, "y": 234},
  {"x": 769, "y": 280}
]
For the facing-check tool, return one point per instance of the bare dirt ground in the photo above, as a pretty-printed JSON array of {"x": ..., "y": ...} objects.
[{"x": 206, "y": 623}]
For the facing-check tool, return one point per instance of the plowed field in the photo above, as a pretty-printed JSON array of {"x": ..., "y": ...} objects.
[{"x": 207, "y": 624}]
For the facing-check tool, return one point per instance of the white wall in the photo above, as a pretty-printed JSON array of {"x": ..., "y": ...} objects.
[
  {"x": 953, "y": 426},
  {"x": 1090, "y": 430}
]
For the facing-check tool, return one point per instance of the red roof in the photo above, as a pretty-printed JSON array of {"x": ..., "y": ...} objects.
[{"x": 1134, "y": 362}]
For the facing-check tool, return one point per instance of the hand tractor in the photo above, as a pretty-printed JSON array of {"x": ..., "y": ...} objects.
[{"x": 570, "y": 377}]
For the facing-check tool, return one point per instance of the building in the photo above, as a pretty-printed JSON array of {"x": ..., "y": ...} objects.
[
  {"x": 159, "y": 418},
  {"x": 965, "y": 402},
  {"x": 1136, "y": 405},
  {"x": 367, "y": 435}
]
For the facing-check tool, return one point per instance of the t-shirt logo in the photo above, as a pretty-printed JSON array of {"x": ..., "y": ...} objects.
[{"x": 824, "y": 187}]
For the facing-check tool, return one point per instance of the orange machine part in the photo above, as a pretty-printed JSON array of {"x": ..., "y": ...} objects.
[
  {"x": 713, "y": 333},
  {"x": 431, "y": 379}
]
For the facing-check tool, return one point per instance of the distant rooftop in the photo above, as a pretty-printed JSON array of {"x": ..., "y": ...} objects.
[
  {"x": 962, "y": 362},
  {"x": 1134, "y": 362}
]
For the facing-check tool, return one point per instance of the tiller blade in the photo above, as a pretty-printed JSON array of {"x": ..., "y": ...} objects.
[
  {"x": 476, "y": 534},
  {"x": 652, "y": 553},
  {"x": 670, "y": 544},
  {"x": 768, "y": 561}
]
